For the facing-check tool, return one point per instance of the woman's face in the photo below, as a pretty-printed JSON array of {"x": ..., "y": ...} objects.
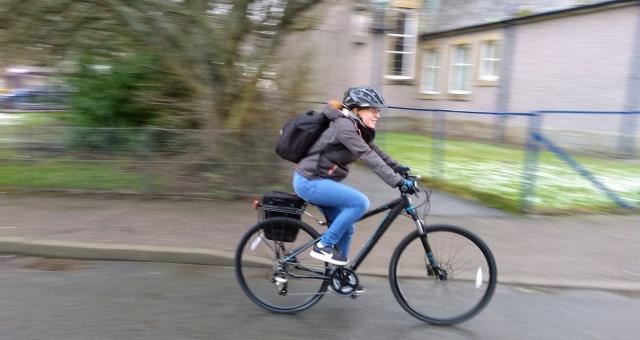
[{"x": 369, "y": 116}]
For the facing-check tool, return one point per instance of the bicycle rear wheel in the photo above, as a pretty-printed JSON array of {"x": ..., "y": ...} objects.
[
  {"x": 274, "y": 284},
  {"x": 466, "y": 282}
]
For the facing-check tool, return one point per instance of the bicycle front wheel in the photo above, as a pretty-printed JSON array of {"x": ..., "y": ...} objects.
[
  {"x": 457, "y": 289},
  {"x": 268, "y": 278}
]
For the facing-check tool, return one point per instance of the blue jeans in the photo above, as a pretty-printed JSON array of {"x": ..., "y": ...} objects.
[{"x": 342, "y": 204}]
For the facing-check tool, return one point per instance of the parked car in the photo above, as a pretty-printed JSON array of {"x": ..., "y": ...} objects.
[{"x": 46, "y": 98}]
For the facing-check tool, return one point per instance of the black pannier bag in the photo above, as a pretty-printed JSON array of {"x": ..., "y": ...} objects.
[{"x": 281, "y": 204}]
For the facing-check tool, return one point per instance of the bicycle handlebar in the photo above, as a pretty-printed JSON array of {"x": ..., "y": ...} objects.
[{"x": 415, "y": 178}]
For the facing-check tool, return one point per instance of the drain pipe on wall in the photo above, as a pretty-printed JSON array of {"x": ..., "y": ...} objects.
[
  {"x": 629, "y": 122},
  {"x": 504, "y": 90}
]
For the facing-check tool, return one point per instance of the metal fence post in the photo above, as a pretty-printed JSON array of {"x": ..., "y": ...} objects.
[
  {"x": 626, "y": 140},
  {"x": 531, "y": 162},
  {"x": 500, "y": 128},
  {"x": 437, "y": 144},
  {"x": 30, "y": 155},
  {"x": 146, "y": 139}
]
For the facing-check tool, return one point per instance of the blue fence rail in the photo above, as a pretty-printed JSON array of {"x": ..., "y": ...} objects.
[
  {"x": 535, "y": 139},
  {"x": 581, "y": 170}
]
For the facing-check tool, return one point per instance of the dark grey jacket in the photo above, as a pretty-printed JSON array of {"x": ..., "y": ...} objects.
[{"x": 340, "y": 145}]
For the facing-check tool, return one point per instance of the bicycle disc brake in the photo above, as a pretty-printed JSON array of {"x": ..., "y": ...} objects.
[
  {"x": 344, "y": 281},
  {"x": 437, "y": 272}
]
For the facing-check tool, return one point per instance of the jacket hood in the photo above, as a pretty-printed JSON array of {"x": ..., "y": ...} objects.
[{"x": 333, "y": 113}]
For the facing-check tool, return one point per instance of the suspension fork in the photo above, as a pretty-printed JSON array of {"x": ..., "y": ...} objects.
[{"x": 422, "y": 234}]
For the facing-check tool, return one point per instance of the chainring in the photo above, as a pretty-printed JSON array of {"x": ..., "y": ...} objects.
[{"x": 344, "y": 281}]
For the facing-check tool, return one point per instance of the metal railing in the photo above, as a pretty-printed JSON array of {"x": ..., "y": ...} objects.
[
  {"x": 529, "y": 135},
  {"x": 140, "y": 160},
  {"x": 207, "y": 162}
]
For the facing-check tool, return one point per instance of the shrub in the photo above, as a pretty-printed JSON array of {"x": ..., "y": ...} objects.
[{"x": 111, "y": 93}]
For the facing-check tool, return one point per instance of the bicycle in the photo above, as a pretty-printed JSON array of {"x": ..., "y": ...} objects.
[{"x": 440, "y": 274}]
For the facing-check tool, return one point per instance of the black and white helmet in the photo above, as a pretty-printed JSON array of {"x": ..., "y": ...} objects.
[{"x": 363, "y": 97}]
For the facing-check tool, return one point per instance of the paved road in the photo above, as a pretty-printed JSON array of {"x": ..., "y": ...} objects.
[{"x": 63, "y": 299}]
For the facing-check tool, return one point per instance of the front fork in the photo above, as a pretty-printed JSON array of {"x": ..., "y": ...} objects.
[{"x": 432, "y": 266}]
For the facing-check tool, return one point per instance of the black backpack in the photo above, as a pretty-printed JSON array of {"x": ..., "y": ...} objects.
[{"x": 298, "y": 135}]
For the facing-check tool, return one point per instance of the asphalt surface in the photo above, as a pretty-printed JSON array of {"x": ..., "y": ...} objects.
[
  {"x": 66, "y": 299},
  {"x": 585, "y": 251}
]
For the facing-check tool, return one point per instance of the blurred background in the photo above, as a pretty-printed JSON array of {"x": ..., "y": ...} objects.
[
  {"x": 142, "y": 130},
  {"x": 526, "y": 106}
]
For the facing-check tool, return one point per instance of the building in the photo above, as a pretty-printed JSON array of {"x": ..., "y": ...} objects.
[{"x": 491, "y": 55}]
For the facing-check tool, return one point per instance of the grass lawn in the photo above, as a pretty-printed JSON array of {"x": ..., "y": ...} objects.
[
  {"x": 75, "y": 175},
  {"x": 494, "y": 174},
  {"x": 124, "y": 175},
  {"x": 33, "y": 119},
  {"x": 63, "y": 173}
]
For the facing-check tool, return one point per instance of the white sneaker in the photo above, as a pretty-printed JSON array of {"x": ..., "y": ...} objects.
[{"x": 328, "y": 254}]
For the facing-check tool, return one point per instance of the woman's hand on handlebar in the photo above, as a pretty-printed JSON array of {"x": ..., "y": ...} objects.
[
  {"x": 408, "y": 185},
  {"x": 402, "y": 170}
]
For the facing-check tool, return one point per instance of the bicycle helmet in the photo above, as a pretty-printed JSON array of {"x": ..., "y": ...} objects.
[{"x": 363, "y": 97}]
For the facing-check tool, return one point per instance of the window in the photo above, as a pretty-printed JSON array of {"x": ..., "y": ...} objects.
[
  {"x": 359, "y": 27},
  {"x": 402, "y": 39},
  {"x": 489, "y": 60},
  {"x": 430, "y": 71},
  {"x": 460, "y": 76}
]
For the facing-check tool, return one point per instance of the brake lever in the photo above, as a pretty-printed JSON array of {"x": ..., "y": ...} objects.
[{"x": 410, "y": 176}]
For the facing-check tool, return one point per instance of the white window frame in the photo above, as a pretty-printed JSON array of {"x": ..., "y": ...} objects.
[
  {"x": 409, "y": 47},
  {"x": 456, "y": 66},
  {"x": 486, "y": 58},
  {"x": 431, "y": 68}
]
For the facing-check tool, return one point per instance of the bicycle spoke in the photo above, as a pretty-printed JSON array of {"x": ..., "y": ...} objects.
[
  {"x": 285, "y": 286},
  {"x": 470, "y": 276}
]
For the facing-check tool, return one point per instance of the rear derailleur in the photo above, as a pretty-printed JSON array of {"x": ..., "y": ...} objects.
[{"x": 282, "y": 282}]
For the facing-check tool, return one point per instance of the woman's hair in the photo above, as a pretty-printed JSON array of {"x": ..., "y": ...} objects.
[{"x": 335, "y": 104}]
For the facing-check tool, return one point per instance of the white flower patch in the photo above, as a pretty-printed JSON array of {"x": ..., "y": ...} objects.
[
  {"x": 557, "y": 184},
  {"x": 10, "y": 119}
]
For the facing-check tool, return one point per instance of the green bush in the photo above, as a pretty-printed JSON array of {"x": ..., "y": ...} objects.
[
  {"x": 110, "y": 93},
  {"x": 131, "y": 91}
]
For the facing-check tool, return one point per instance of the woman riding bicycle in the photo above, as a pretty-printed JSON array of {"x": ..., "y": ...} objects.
[
  {"x": 441, "y": 274},
  {"x": 317, "y": 177}
]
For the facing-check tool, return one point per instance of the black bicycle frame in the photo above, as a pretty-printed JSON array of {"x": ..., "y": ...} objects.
[{"x": 395, "y": 208}]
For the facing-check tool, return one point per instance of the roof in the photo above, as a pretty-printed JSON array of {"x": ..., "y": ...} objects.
[{"x": 450, "y": 17}]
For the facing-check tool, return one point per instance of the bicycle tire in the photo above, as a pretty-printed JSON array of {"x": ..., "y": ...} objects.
[
  {"x": 251, "y": 263},
  {"x": 409, "y": 270}
]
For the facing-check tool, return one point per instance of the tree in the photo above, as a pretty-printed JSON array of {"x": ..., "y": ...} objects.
[
  {"x": 215, "y": 53},
  {"x": 216, "y": 49}
]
